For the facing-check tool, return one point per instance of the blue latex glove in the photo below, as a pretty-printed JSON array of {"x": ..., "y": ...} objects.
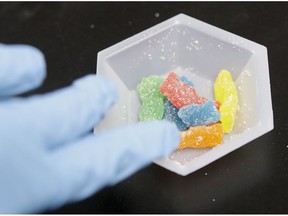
[{"x": 48, "y": 156}]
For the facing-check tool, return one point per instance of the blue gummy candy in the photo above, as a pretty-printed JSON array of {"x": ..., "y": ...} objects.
[
  {"x": 199, "y": 114},
  {"x": 171, "y": 114},
  {"x": 185, "y": 80}
]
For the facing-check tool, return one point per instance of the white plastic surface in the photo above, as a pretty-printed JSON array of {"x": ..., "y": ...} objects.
[{"x": 199, "y": 51}]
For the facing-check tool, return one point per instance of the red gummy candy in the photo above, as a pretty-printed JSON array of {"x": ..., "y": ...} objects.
[{"x": 178, "y": 93}]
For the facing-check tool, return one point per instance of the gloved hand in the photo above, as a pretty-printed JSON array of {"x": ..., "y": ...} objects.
[{"x": 48, "y": 155}]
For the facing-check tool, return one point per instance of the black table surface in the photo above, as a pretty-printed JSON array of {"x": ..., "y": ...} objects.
[{"x": 251, "y": 179}]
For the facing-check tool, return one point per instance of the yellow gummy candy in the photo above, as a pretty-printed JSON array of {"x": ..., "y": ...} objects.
[{"x": 225, "y": 92}]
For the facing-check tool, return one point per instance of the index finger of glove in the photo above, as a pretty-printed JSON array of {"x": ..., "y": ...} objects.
[
  {"x": 93, "y": 162},
  {"x": 22, "y": 68},
  {"x": 54, "y": 118}
]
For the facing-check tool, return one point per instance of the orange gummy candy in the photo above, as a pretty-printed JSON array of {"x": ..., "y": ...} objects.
[
  {"x": 202, "y": 136},
  {"x": 217, "y": 104}
]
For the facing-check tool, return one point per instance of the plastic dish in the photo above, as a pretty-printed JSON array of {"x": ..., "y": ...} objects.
[{"x": 199, "y": 51}]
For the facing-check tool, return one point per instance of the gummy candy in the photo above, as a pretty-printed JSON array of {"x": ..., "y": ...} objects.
[
  {"x": 202, "y": 136},
  {"x": 225, "y": 92},
  {"x": 151, "y": 110},
  {"x": 196, "y": 117},
  {"x": 149, "y": 87},
  {"x": 152, "y": 107},
  {"x": 199, "y": 114},
  {"x": 178, "y": 93},
  {"x": 217, "y": 104},
  {"x": 185, "y": 80},
  {"x": 171, "y": 114}
]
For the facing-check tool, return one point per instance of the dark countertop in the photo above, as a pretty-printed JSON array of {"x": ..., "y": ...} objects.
[{"x": 252, "y": 179}]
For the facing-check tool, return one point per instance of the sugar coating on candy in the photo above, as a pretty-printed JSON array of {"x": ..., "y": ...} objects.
[
  {"x": 171, "y": 114},
  {"x": 152, "y": 101},
  {"x": 187, "y": 109},
  {"x": 178, "y": 93},
  {"x": 199, "y": 114},
  {"x": 151, "y": 110},
  {"x": 226, "y": 93},
  {"x": 202, "y": 136},
  {"x": 149, "y": 87}
]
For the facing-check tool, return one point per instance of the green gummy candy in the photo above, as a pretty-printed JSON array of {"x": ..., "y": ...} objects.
[
  {"x": 152, "y": 107},
  {"x": 149, "y": 86},
  {"x": 152, "y": 110}
]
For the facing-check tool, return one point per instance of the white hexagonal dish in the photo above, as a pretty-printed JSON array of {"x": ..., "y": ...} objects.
[{"x": 199, "y": 51}]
